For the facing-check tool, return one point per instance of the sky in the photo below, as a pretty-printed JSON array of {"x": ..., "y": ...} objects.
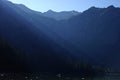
[{"x": 66, "y": 5}]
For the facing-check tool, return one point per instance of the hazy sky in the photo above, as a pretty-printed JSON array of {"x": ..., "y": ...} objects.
[{"x": 66, "y": 5}]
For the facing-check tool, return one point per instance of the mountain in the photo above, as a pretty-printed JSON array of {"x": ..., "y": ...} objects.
[
  {"x": 26, "y": 45},
  {"x": 63, "y": 15},
  {"x": 39, "y": 50},
  {"x": 53, "y": 29},
  {"x": 92, "y": 35},
  {"x": 57, "y": 41},
  {"x": 98, "y": 34},
  {"x": 60, "y": 15}
]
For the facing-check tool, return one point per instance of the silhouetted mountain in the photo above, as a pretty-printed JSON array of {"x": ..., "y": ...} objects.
[{"x": 99, "y": 36}]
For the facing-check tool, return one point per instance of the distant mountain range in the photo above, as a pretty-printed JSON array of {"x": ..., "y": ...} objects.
[
  {"x": 52, "y": 14},
  {"x": 60, "y": 15},
  {"x": 58, "y": 39}
]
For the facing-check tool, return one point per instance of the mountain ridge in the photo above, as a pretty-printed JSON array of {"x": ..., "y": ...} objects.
[
  {"x": 90, "y": 36},
  {"x": 93, "y": 12},
  {"x": 62, "y": 15}
]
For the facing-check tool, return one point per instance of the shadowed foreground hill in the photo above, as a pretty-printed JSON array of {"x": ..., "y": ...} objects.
[{"x": 10, "y": 59}]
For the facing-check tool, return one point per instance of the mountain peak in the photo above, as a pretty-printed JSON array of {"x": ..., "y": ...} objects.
[
  {"x": 50, "y": 10},
  {"x": 21, "y": 5},
  {"x": 93, "y": 8},
  {"x": 111, "y": 6}
]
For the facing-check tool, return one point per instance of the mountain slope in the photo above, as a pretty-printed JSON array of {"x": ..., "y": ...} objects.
[
  {"x": 99, "y": 36},
  {"x": 51, "y": 45},
  {"x": 10, "y": 59},
  {"x": 53, "y": 29},
  {"x": 40, "y": 51},
  {"x": 93, "y": 34}
]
